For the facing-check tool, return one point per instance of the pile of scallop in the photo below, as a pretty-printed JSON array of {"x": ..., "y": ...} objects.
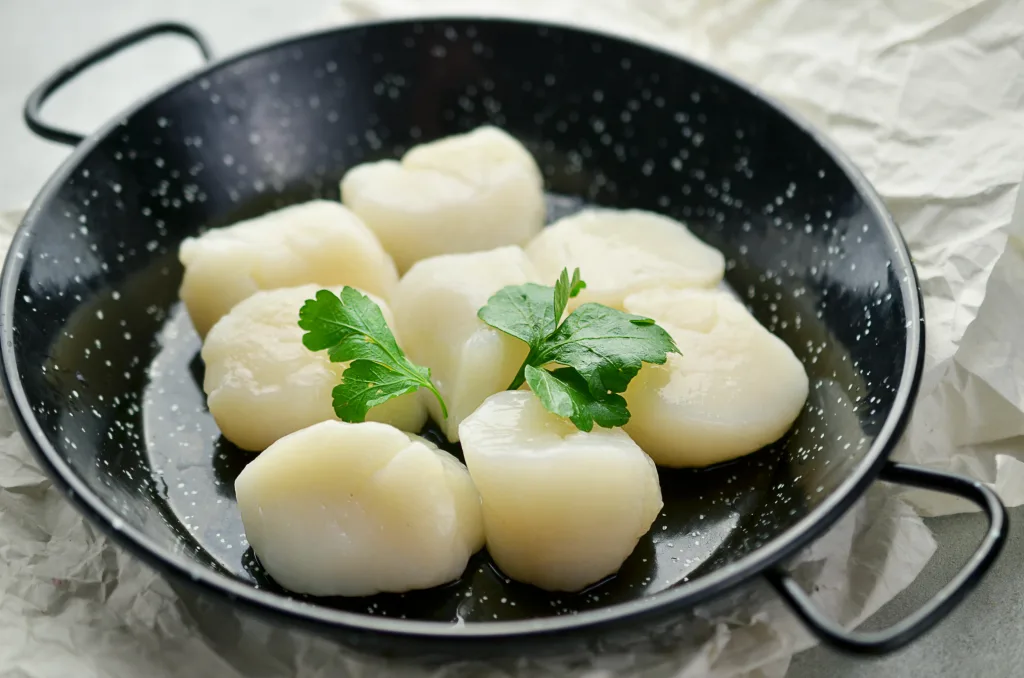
[{"x": 433, "y": 290}]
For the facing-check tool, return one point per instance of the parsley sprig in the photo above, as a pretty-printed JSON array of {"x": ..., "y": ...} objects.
[
  {"x": 350, "y": 327},
  {"x": 600, "y": 349}
]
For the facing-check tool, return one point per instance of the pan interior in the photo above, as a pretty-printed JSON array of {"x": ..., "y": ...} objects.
[{"x": 110, "y": 362}]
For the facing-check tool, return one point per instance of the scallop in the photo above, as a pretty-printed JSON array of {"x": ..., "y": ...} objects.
[
  {"x": 341, "y": 509},
  {"x": 734, "y": 388},
  {"x": 262, "y": 383},
  {"x": 316, "y": 242},
  {"x": 463, "y": 193},
  {"x": 562, "y": 508},
  {"x": 620, "y": 252},
  {"x": 436, "y": 306}
]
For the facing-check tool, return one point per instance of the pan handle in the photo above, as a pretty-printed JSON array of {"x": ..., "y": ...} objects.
[
  {"x": 34, "y": 104},
  {"x": 936, "y": 609}
]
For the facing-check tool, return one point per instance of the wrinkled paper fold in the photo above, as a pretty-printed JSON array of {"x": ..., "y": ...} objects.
[{"x": 923, "y": 96}]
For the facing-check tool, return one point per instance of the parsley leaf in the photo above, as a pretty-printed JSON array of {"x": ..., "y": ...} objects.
[
  {"x": 368, "y": 384},
  {"x": 606, "y": 346},
  {"x": 524, "y": 311},
  {"x": 601, "y": 349},
  {"x": 566, "y": 289},
  {"x": 530, "y": 312},
  {"x": 565, "y": 392},
  {"x": 351, "y": 327}
]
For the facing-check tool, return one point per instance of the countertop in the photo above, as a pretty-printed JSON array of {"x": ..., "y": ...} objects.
[{"x": 980, "y": 638}]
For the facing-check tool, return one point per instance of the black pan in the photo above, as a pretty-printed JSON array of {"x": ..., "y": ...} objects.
[{"x": 101, "y": 365}]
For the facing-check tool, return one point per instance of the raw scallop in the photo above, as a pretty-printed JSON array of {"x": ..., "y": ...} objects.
[
  {"x": 435, "y": 308},
  {"x": 734, "y": 388},
  {"x": 263, "y": 384},
  {"x": 463, "y": 193},
  {"x": 316, "y": 242},
  {"x": 356, "y": 509},
  {"x": 562, "y": 508},
  {"x": 623, "y": 251}
]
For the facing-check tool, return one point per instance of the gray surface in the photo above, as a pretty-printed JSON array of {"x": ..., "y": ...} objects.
[
  {"x": 38, "y": 36},
  {"x": 981, "y": 638}
]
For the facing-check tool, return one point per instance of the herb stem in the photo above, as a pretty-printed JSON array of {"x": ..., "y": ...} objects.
[{"x": 433, "y": 389}]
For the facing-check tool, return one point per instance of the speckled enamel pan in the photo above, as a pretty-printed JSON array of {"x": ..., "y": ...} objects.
[{"x": 101, "y": 363}]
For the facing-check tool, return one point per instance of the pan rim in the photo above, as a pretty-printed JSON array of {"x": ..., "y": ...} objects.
[{"x": 672, "y": 600}]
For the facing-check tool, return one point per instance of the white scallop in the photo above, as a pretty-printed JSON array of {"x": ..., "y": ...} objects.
[
  {"x": 356, "y": 509},
  {"x": 435, "y": 308},
  {"x": 620, "y": 252},
  {"x": 734, "y": 388},
  {"x": 463, "y": 193},
  {"x": 316, "y": 242},
  {"x": 562, "y": 508},
  {"x": 262, "y": 383}
]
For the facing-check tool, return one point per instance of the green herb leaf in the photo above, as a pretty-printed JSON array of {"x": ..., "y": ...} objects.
[
  {"x": 606, "y": 346},
  {"x": 524, "y": 311},
  {"x": 601, "y": 348},
  {"x": 367, "y": 384},
  {"x": 566, "y": 289},
  {"x": 566, "y": 393},
  {"x": 351, "y": 327}
]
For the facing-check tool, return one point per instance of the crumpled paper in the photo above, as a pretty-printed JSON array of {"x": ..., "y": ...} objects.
[{"x": 926, "y": 98}]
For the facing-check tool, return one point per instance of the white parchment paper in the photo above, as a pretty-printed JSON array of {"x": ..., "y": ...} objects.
[{"x": 925, "y": 95}]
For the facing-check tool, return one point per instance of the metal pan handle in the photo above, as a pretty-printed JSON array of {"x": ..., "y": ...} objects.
[
  {"x": 34, "y": 104},
  {"x": 894, "y": 637}
]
